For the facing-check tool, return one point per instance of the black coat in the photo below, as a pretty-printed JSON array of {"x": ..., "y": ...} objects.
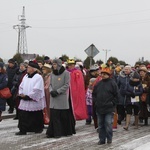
[
  {"x": 11, "y": 73},
  {"x": 105, "y": 96},
  {"x": 17, "y": 80}
]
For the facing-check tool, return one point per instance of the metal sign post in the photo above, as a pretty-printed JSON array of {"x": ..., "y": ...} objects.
[{"x": 91, "y": 51}]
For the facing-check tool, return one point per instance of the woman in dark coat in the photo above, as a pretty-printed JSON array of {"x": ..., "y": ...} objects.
[
  {"x": 145, "y": 80},
  {"x": 20, "y": 73},
  {"x": 133, "y": 91},
  {"x": 3, "y": 84}
]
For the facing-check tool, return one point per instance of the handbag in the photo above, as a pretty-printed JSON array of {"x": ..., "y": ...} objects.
[
  {"x": 143, "y": 97},
  {"x": 5, "y": 93}
]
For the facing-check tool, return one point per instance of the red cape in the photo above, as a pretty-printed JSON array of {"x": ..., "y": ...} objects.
[{"x": 78, "y": 95}]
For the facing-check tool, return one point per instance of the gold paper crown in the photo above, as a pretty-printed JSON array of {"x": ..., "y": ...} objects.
[{"x": 71, "y": 61}]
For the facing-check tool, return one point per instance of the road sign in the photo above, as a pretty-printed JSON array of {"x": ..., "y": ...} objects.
[{"x": 92, "y": 51}]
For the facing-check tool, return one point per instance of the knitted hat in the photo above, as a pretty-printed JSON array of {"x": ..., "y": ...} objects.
[
  {"x": 34, "y": 64},
  {"x": 143, "y": 69},
  {"x": 46, "y": 58},
  {"x": 92, "y": 80},
  {"x": 135, "y": 75},
  {"x": 11, "y": 61},
  {"x": 1, "y": 64},
  {"x": 23, "y": 64}
]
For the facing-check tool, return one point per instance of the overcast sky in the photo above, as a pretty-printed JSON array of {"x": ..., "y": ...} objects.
[{"x": 70, "y": 26}]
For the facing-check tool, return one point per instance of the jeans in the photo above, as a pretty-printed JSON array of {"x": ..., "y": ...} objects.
[{"x": 105, "y": 127}]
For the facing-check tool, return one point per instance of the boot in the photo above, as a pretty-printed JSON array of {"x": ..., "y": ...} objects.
[
  {"x": 16, "y": 117},
  {"x": 146, "y": 121},
  {"x": 136, "y": 122},
  {"x": 127, "y": 122},
  {"x": 0, "y": 116}
]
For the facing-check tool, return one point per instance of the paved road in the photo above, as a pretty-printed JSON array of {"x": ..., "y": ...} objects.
[{"x": 86, "y": 138}]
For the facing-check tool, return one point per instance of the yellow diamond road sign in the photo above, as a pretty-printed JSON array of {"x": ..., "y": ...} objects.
[{"x": 91, "y": 51}]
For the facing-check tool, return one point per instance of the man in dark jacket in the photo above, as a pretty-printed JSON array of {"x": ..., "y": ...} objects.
[
  {"x": 105, "y": 97},
  {"x": 11, "y": 71}
]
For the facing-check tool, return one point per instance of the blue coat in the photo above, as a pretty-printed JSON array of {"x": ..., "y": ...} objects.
[
  {"x": 122, "y": 83},
  {"x": 3, "y": 84},
  {"x": 131, "y": 91}
]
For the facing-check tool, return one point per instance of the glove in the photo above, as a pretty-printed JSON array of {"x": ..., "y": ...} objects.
[
  {"x": 132, "y": 95},
  {"x": 54, "y": 93},
  {"x": 25, "y": 97}
]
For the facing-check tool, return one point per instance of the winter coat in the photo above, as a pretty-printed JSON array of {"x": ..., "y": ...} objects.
[
  {"x": 146, "y": 88},
  {"x": 60, "y": 83},
  {"x": 122, "y": 83},
  {"x": 105, "y": 96},
  {"x": 3, "y": 84},
  {"x": 17, "y": 80},
  {"x": 11, "y": 73},
  {"x": 132, "y": 91}
]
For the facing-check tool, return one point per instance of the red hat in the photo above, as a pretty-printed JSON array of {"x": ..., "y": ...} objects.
[{"x": 148, "y": 66}]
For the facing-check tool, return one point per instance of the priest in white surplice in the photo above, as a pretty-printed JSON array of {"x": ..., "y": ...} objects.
[{"x": 32, "y": 101}]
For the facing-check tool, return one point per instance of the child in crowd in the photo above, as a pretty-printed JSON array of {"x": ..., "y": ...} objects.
[{"x": 89, "y": 100}]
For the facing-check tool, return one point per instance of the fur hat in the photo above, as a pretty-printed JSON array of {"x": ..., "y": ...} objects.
[
  {"x": 11, "y": 61},
  {"x": 34, "y": 64},
  {"x": 1, "y": 64},
  {"x": 143, "y": 69}
]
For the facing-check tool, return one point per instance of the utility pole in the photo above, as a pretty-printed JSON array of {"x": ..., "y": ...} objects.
[
  {"x": 21, "y": 29},
  {"x": 91, "y": 58},
  {"x": 106, "y": 51}
]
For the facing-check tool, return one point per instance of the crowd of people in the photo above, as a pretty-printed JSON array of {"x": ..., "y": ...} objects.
[{"x": 58, "y": 94}]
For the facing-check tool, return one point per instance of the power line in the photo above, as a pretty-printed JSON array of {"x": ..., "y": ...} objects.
[
  {"x": 100, "y": 25},
  {"x": 94, "y": 17}
]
